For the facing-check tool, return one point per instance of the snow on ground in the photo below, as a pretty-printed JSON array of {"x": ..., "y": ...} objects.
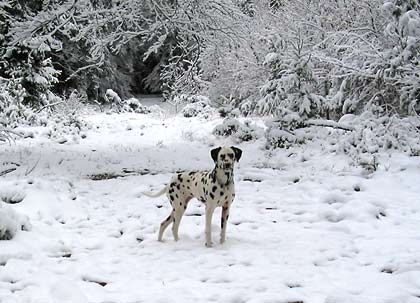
[{"x": 305, "y": 227}]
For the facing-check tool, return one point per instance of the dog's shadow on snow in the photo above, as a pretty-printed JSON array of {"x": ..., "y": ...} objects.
[{"x": 189, "y": 242}]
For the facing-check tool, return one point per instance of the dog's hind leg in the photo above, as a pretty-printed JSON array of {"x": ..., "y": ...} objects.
[
  {"x": 177, "y": 220},
  {"x": 170, "y": 219},
  {"x": 179, "y": 212},
  {"x": 165, "y": 224}
]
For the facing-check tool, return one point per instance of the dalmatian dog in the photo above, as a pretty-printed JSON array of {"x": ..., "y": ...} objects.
[{"x": 214, "y": 188}]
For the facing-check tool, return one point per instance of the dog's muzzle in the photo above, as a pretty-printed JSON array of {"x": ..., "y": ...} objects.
[{"x": 226, "y": 166}]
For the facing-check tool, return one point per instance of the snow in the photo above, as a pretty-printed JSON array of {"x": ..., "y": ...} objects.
[
  {"x": 306, "y": 225},
  {"x": 112, "y": 96},
  {"x": 11, "y": 222},
  {"x": 271, "y": 57}
]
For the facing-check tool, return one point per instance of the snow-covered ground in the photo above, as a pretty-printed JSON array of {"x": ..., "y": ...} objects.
[{"x": 306, "y": 226}]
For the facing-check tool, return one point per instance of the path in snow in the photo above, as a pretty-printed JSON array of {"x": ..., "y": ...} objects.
[{"x": 312, "y": 230}]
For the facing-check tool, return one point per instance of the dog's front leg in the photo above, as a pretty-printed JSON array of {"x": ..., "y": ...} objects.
[
  {"x": 225, "y": 217},
  {"x": 209, "y": 216}
]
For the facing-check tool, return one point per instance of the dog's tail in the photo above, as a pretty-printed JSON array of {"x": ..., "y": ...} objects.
[{"x": 156, "y": 194}]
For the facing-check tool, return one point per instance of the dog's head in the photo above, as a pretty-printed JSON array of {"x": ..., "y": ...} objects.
[{"x": 225, "y": 156}]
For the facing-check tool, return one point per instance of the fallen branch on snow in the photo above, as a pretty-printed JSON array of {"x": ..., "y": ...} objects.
[
  {"x": 5, "y": 172},
  {"x": 329, "y": 123}
]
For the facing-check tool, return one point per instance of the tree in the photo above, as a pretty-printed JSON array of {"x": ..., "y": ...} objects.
[
  {"x": 234, "y": 69},
  {"x": 293, "y": 84},
  {"x": 403, "y": 53}
]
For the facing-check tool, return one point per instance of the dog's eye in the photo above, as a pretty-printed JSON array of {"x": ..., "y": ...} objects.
[
  {"x": 230, "y": 156},
  {"x": 222, "y": 157}
]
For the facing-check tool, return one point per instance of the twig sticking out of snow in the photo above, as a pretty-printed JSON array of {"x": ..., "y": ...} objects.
[
  {"x": 48, "y": 105},
  {"x": 6, "y": 134}
]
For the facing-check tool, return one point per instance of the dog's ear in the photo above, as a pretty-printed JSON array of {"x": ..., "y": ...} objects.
[
  {"x": 238, "y": 153},
  {"x": 214, "y": 153}
]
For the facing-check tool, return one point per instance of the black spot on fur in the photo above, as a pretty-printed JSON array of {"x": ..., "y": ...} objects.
[
  {"x": 221, "y": 193},
  {"x": 211, "y": 195},
  {"x": 178, "y": 187},
  {"x": 176, "y": 195},
  {"x": 171, "y": 197},
  {"x": 214, "y": 188},
  {"x": 191, "y": 173}
]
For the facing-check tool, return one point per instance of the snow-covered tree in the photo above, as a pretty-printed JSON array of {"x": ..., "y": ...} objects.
[
  {"x": 233, "y": 68},
  {"x": 402, "y": 50},
  {"x": 373, "y": 59},
  {"x": 311, "y": 57},
  {"x": 292, "y": 85},
  {"x": 293, "y": 81},
  {"x": 24, "y": 57}
]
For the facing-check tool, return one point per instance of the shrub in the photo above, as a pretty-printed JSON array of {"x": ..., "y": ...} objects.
[
  {"x": 66, "y": 118},
  {"x": 281, "y": 131},
  {"x": 225, "y": 111},
  {"x": 13, "y": 112},
  {"x": 248, "y": 132},
  {"x": 196, "y": 106},
  {"x": 374, "y": 134},
  {"x": 241, "y": 132},
  {"x": 135, "y": 106},
  {"x": 228, "y": 127}
]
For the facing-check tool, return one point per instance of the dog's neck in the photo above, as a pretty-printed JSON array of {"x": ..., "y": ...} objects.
[{"x": 223, "y": 176}]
